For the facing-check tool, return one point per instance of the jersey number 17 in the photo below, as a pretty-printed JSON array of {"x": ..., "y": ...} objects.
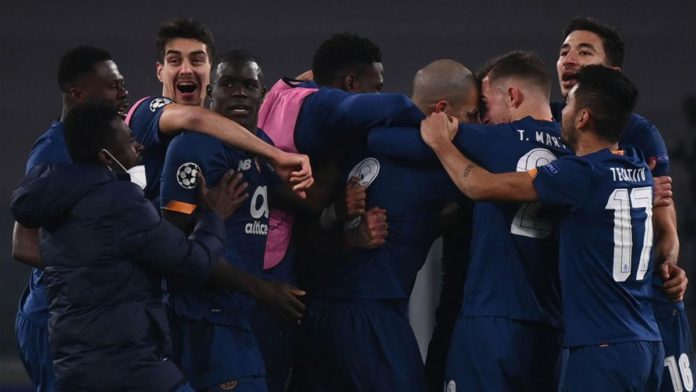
[{"x": 621, "y": 201}]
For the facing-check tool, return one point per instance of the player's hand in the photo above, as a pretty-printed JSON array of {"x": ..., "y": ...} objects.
[
  {"x": 226, "y": 196},
  {"x": 355, "y": 198},
  {"x": 372, "y": 231},
  {"x": 662, "y": 187},
  {"x": 438, "y": 128},
  {"x": 675, "y": 281},
  {"x": 281, "y": 299},
  {"x": 295, "y": 170}
]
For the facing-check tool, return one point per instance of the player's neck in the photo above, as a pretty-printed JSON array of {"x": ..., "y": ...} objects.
[
  {"x": 589, "y": 143},
  {"x": 540, "y": 111}
]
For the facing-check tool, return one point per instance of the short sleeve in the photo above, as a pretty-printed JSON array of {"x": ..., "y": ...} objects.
[
  {"x": 565, "y": 182},
  {"x": 188, "y": 154},
  {"x": 143, "y": 119}
]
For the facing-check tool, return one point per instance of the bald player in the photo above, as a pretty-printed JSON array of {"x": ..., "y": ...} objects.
[
  {"x": 508, "y": 335},
  {"x": 357, "y": 335},
  {"x": 430, "y": 85}
]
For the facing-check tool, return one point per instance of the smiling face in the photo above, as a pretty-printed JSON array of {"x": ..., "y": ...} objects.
[
  {"x": 185, "y": 72},
  {"x": 237, "y": 92},
  {"x": 105, "y": 84},
  {"x": 580, "y": 48}
]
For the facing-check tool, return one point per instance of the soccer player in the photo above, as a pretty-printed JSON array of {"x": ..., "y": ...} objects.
[
  {"x": 85, "y": 74},
  {"x": 508, "y": 334},
  {"x": 214, "y": 342},
  {"x": 587, "y": 41},
  {"x": 356, "y": 336},
  {"x": 604, "y": 203},
  {"x": 184, "y": 49},
  {"x": 324, "y": 118}
]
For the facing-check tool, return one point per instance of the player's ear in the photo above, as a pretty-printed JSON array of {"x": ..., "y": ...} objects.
[
  {"x": 104, "y": 158},
  {"x": 515, "y": 97},
  {"x": 440, "y": 106},
  {"x": 159, "y": 67},
  {"x": 349, "y": 82},
  {"x": 76, "y": 95},
  {"x": 582, "y": 119}
]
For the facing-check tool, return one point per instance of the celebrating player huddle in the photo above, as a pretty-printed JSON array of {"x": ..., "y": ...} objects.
[{"x": 180, "y": 248}]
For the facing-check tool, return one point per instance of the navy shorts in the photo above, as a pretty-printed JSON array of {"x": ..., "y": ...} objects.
[
  {"x": 632, "y": 366},
  {"x": 676, "y": 339},
  {"x": 358, "y": 345},
  {"x": 34, "y": 351},
  {"x": 501, "y": 354},
  {"x": 217, "y": 356}
]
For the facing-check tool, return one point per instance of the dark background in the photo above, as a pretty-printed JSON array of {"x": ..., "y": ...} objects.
[{"x": 660, "y": 60}]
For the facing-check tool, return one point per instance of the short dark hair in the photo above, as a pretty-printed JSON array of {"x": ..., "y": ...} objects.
[
  {"x": 613, "y": 45},
  {"x": 609, "y": 96},
  {"x": 88, "y": 129},
  {"x": 237, "y": 57},
  {"x": 78, "y": 62},
  {"x": 184, "y": 28},
  {"x": 343, "y": 52},
  {"x": 519, "y": 64}
]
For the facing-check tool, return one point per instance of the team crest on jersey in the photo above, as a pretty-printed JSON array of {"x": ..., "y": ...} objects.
[
  {"x": 451, "y": 386},
  {"x": 159, "y": 103},
  {"x": 186, "y": 175},
  {"x": 366, "y": 171}
]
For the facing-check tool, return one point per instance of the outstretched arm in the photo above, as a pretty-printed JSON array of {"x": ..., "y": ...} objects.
[
  {"x": 474, "y": 181},
  {"x": 292, "y": 168}
]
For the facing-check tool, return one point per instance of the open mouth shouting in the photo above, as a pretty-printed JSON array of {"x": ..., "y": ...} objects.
[
  {"x": 187, "y": 90},
  {"x": 568, "y": 79},
  {"x": 122, "y": 109},
  {"x": 239, "y": 110}
]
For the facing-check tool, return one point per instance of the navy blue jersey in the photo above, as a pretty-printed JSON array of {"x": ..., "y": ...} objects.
[
  {"x": 639, "y": 133},
  {"x": 48, "y": 148},
  {"x": 143, "y": 119},
  {"x": 513, "y": 266},
  {"x": 246, "y": 229},
  {"x": 605, "y": 242},
  {"x": 413, "y": 197},
  {"x": 331, "y": 117}
]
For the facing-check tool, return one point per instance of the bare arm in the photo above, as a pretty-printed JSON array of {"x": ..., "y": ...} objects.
[
  {"x": 474, "y": 181},
  {"x": 25, "y": 246},
  {"x": 667, "y": 252},
  {"x": 292, "y": 168}
]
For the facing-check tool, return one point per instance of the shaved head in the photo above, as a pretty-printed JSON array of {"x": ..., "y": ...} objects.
[
  {"x": 444, "y": 79},
  {"x": 446, "y": 85}
]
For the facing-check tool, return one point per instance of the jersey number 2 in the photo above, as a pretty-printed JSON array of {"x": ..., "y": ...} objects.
[
  {"x": 526, "y": 222},
  {"x": 621, "y": 201}
]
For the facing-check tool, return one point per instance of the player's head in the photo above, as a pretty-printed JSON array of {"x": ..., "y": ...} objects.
[
  {"x": 586, "y": 41},
  {"x": 184, "y": 53},
  {"x": 95, "y": 134},
  {"x": 600, "y": 102},
  {"x": 87, "y": 74},
  {"x": 511, "y": 84},
  {"x": 447, "y": 86},
  {"x": 349, "y": 62},
  {"x": 237, "y": 88}
]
